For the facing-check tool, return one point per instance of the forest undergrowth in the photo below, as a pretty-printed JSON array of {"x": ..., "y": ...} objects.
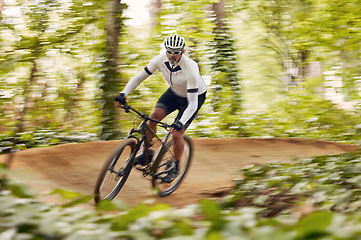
[{"x": 315, "y": 198}]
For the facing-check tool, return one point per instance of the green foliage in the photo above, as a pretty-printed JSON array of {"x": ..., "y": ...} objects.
[
  {"x": 41, "y": 138},
  {"x": 53, "y": 66},
  {"x": 319, "y": 196},
  {"x": 75, "y": 197},
  {"x": 314, "y": 225},
  {"x": 305, "y": 113},
  {"x": 122, "y": 222},
  {"x": 329, "y": 183},
  {"x": 19, "y": 190},
  {"x": 60, "y": 47},
  {"x": 39, "y": 91},
  {"x": 225, "y": 83}
]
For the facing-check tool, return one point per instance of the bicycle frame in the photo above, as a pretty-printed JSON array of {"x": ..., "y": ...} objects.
[
  {"x": 113, "y": 176},
  {"x": 142, "y": 128}
]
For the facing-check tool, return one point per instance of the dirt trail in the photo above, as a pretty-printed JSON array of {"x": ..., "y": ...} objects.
[{"x": 215, "y": 165}]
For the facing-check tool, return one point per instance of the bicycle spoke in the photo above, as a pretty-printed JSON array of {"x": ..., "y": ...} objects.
[
  {"x": 117, "y": 167},
  {"x": 163, "y": 188},
  {"x": 115, "y": 171}
]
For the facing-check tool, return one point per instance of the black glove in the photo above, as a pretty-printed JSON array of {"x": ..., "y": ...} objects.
[
  {"x": 177, "y": 125},
  {"x": 120, "y": 98}
]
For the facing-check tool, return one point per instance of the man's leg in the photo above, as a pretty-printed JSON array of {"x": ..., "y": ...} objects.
[
  {"x": 177, "y": 136},
  {"x": 178, "y": 144},
  {"x": 178, "y": 141},
  {"x": 158, "y": 114}
]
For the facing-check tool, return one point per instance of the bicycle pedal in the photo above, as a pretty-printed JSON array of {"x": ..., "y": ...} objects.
[
  {"x": 170, "y": 165},
  {"x": 145, "y": 169},
  {"x": 146, "y": 173},
  {"x": 139, "y": 168}
]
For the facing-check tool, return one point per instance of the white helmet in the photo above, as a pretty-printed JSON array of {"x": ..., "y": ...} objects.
[{"x": 174, "y": 42}]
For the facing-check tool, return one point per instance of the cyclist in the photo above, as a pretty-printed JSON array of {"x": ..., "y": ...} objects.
[{"x": 186, "y": 93}]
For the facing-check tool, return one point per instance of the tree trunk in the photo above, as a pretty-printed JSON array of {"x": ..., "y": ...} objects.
[
  {"x": 1, "y": 7},
  {"x": 109, "y": 126},
  {"x": 27, "y": 98},
  {"x": 224, "y": 63},
  {"x": 155, "y": 6},
  {"x": 72, "y": 105},
  {"x": 218, "y": 9}
]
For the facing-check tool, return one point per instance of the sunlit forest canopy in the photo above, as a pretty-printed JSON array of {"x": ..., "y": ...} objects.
[{"x": 273, "y": 68}]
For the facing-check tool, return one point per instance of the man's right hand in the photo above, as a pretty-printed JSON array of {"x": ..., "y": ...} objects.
[{"x": 120, "y": 100}]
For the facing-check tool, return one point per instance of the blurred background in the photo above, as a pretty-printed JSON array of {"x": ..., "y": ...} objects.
[{"x": 273, "y": 68}]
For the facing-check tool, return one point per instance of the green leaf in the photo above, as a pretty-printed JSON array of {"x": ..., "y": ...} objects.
[
  {"x": 79, "y": 200},
  {"x": 142, "y": 210},
  {"x": 66, "y": 194},
  {"x": 214, "y": 236},
  {"x": 315, "y": 223},
  {"x": 20, "y": 190},
  {"x": 210, "y": 209},
  {"x": 110, "y": 205},
  {"x": 26, "y": 227},
  {"x": 105, "y": 205},
  {"x": 184, "y": 228}
]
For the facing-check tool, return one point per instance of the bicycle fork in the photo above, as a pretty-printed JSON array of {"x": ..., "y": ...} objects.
[{"x": 122, "y": 171}]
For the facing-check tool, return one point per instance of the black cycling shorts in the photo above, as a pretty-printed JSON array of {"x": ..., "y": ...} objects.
[{"x": 170, "y": 102}]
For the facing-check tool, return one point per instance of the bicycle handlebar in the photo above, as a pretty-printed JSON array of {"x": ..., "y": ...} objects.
[{"x": 127, "y": 109}]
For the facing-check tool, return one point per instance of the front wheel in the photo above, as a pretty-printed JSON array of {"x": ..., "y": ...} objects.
[
  {"x": 115, "y": 171},
  {"x": 167, "y": 154}
]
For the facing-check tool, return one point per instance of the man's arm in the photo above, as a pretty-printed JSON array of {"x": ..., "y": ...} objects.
[
  {"x": 135, "y": 81},
  {"x": 192, "y": 97}
]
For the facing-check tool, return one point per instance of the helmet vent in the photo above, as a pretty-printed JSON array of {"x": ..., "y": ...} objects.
[{"x": 174, "y": 42}]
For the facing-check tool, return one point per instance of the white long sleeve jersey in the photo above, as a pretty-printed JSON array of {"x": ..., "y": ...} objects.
[{"x": 183, "y": 78}]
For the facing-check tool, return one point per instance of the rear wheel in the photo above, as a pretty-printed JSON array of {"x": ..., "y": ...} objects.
[
  {"x": 162, "y": 188},
  {"x": 115, "y": 171}
]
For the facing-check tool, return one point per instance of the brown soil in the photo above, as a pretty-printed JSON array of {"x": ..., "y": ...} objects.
[{"x": 215, "y": 164}]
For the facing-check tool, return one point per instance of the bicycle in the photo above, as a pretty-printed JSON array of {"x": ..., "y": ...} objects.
[{"x": 120, "y": 162}]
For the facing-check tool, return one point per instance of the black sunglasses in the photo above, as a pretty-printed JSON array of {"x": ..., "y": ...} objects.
[{"x": 175, "y": 53}]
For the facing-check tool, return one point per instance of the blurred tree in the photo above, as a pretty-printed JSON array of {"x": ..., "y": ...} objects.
[
  {"x": 72, "y": 103},
  {"x": 61, "y": 64},
  {"x": 34, "y": 55},
  {"x": 226, "y": 97},
  {"x": 38, "y": 23},
  {"x": 1, "y": 8},
  {"x": 155, "y": 7},
  {"x": 287, "y": 32},
  {"x": 189, "y": 19},
  {"x": 337, "y": 29},
  {"x": 110, "y": 76}
]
